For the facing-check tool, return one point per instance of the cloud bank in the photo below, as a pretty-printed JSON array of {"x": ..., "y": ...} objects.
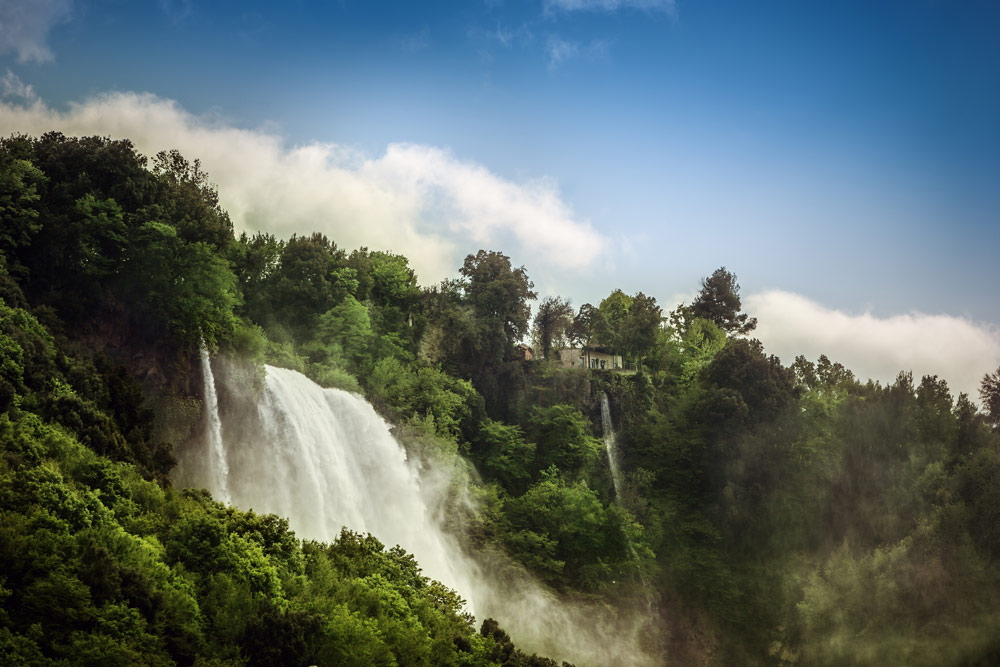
[
  {"x": 417, "y": 200},
  {"x": 25, "y": 24},
  {"x": 954, "y": 348}
]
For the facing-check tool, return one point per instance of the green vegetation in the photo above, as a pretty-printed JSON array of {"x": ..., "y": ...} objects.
[{"x": 775, "y": 515}]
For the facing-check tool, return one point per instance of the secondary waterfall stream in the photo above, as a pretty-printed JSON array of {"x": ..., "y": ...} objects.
[
  {"x": 614, "y": 464},
  {"x": 218, "y": 469},
  {"x": 325, "y": 459},
  {"x": 611, "y": 445}
]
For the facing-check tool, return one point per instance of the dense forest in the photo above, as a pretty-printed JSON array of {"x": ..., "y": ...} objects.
[{"x": 768, "y": 514}]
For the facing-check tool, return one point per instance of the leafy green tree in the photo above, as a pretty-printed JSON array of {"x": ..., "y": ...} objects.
[
  {"x": 719, "y": 302},
  {"x": 498, "y": 295},
  {"x": 182, "y": 288},
  {"x": 614, "y": 311},
  {"x": 642, "y": 324},
  {"x": 424, "y": 392},
  {"x": 589, "y": 325},
  {"x": 748, "y": 386},
  {"x": 504, "y": 455},
  {"x": 345, "y": 330},
  {"x": 700, "y": 343},
  {"x": 574, "y": 540},
  {"x": 990, "y": 393},
  {"x": 552, "y": 325},
  {"x": 189, "y": 202},
  {"x": 101, "y": 239},
  {"x": 254, "y": 260},
  {"x": 19, "y": 180},
  {"x": 562, "y": 437},
  {"x": 310, "y": 279},
  {"x": 452, "y": 330}
]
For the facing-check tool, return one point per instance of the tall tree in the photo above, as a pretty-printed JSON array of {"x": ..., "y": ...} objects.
[
  {"x": 641, "y": 326},
  {"x": 588, "y": 325},
  {"x": 499, "y": 295},
  {"x": 310, "y": 279},
  {"x": 989, "y": 391},
  {"x": 553, "y": 324},
  {"x": 19, "y": 197},
  {"x": 719, "y": 302},
  {"x": 614, "y": 310}
]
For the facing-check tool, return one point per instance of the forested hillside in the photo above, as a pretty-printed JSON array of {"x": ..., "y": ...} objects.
[{"x": 769, "y": 515}]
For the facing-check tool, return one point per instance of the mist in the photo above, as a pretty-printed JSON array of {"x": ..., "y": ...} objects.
[{"x": 324, "y": 459}]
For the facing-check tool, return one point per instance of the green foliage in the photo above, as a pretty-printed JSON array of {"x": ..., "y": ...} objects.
[
  {"x": 552, "y": 325},
  {"x": 990, "y": 393},
  {"x": 19, "y": 197},
  {"x": 409, "y": 391},
  {"x": 798, "y": 515},
  {"x": 719, "y": 302},
  {"x": 562, "y": 437},
  {"x": 182, "y": 286},
  {"x": 638, "y": 333},
  {"x": 564, "y": 532},
  {"x": 498, "y": 296},
  {"x": 102, "y": 566},
  {"x": 503, "y": 455},
  {"x": 309, "y": 280}
]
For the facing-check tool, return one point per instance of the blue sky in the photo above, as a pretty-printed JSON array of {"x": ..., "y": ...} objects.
[{"x": 844, "y": 152}]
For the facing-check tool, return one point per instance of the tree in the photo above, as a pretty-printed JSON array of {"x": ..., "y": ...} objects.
[
  {"x": 719, "y": 302},
  {"x": 614, "y": 310},
  {"x": 504, "y": 456},
  {"x": 310, "y": 279},
  {"x": 638, "y": 332},
  {"x": 254, "y": 261},
  {"x": 588, "y": 325},
  {"x": 19, "y": 181},
  {"x": 989, "y": 391},
  {"x": 553, "y": 324},
  {"x": 499, "y": 294},
  {"x": 562, "y": 438},
  {"x": 345, "y": 328},
  {"x": 189, "y": 201},
  {"x": 183, "y": 287},
  {"x": 747, "y": 386}
]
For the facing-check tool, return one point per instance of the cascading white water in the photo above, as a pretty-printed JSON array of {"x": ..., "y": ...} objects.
[
  {"x": 611, "y": 445},
  {"x": 323, "y": 458},
  {"x": 218, "y": 469}
]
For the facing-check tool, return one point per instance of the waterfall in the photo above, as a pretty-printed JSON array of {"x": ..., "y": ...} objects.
[
  {"x": 324, "y": 459},
  {"x": 218, "y": 470},
  {"x": 611, "y": 445}
]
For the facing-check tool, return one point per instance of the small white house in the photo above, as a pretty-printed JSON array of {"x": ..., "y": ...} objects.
[{"x": 588, "y": 357}]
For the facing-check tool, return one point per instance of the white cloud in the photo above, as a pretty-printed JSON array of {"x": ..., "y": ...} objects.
[
  {"x": 668, "y": 6},
  {"x": 561, "y": 51},
  {"x": 12, "y": 86},
  {"x": 957, "y": 349},
  {"x": 24, "y": 26},
  {"x": 418, "y": 200}
]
